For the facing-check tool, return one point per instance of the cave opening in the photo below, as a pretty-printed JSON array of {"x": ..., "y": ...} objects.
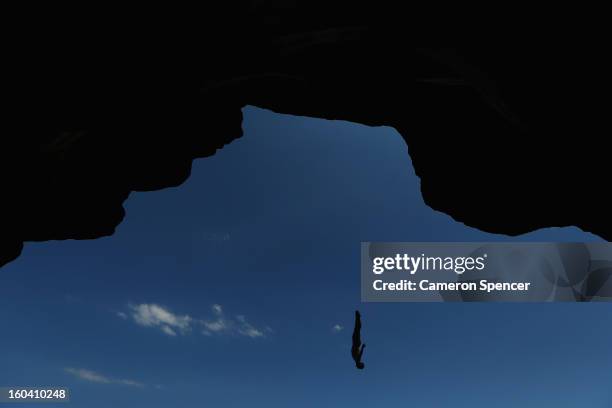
[{"x": 250, "y": 271}]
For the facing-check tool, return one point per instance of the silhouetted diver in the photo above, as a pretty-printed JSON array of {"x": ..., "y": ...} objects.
[{"x": 357, "y": 348}]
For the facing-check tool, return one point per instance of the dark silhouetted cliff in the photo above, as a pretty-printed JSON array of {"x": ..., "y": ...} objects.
[{"x": 506, "y": 137}]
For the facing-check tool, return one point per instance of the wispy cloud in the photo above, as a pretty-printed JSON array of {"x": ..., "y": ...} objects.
[
  {"x": 217, "y": 309},
  {"x": 219, "y": 323},
  {"x": 88, "y": 375},
  {"x": 247, "y": 329},
  {"x": 152, "y": 315},
  {"x": 91, "y": 376},
  {"x": 337, "y": 328},
  {"x": 131, "y": 383}
]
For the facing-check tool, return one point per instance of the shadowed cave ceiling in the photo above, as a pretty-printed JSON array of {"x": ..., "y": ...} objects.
[{"x": 506, "y": 138}]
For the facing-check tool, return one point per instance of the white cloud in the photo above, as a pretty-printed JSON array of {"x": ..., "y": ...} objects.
[
  {"x": 88, "y": 375},
  {"x": 251, "y": 332},
  {"x": 131, "y": 383},
  {"x": 337, "y": 328},
  {"x": 168, "y": 331},
  {"x": 216, "y": 326},
  {"x": 91, "y": 376},
  {"x": 152, "y": 315},
  {"x": 247, "y": 329},
  {"x": 224, "y": 325},
  {"x": 217, "y": 309}
]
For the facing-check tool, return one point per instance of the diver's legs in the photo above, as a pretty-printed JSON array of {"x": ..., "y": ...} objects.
[{"x": 357, "y": 329}]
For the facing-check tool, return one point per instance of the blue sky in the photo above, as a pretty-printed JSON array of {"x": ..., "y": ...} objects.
[{"x": 239, "y": 288}]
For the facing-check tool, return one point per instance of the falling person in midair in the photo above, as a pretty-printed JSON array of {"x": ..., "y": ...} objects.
[{"x": 357, "y": 348}]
